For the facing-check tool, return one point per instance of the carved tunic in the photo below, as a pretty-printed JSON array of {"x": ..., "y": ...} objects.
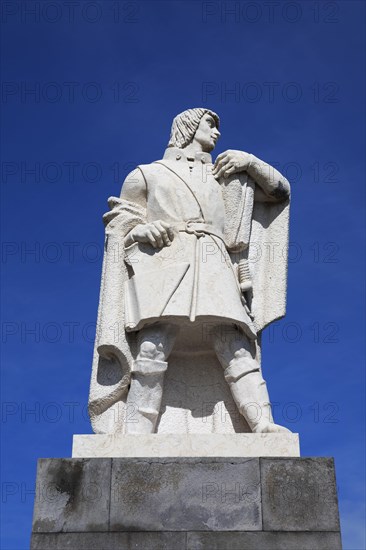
[{"x": 194, "y": 279}]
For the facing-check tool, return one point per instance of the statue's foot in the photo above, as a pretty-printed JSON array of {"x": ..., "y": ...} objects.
[{"x": 270, "y": 428}]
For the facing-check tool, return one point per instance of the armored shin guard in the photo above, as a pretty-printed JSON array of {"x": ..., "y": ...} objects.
[
  {"x": 250, "y": 394},
  {"x": 144, "y": 397}
]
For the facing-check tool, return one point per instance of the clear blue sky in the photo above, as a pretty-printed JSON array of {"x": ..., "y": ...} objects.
[{"x": 288, "y": 84}]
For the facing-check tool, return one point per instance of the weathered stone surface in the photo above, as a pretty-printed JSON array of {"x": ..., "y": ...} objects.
[
  {"x": 72, "y": 495},
  {"x": 263, "y": 541},
  {"x": 185, "y": 495},
  {"x": 198, "y": 540},
  {"x": 110, "y": 541},
  {"x": 186, "y": 503},
  {"x": 299, "y": 494},
  {"x": 187, "y": 541},
  {"x": 186, "y": 445}
]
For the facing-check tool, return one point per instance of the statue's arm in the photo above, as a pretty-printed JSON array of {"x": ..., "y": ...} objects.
[
  {"x": 157, "y": 233},
  {"x": 134, "y": 188},
  {"x": 271, "y": 186}
]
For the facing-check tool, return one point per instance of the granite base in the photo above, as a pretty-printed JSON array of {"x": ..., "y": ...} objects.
[{"x": 186, "y": 503}]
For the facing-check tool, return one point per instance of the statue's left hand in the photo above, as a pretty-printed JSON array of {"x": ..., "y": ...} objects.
[{"x": 231, "y": 162}]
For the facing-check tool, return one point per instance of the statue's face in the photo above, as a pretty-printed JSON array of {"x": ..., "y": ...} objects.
[{"x": 207, "y": 133}]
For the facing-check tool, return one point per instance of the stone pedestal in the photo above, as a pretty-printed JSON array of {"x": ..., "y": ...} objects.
[
  {"x": 185, "y": 445},
  {"x": 186, "y": 503}
]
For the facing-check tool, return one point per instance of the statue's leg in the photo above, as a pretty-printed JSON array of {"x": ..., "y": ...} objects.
[
  {"x": 242, "y": 372},
  {"x": 155, "y": 343}
]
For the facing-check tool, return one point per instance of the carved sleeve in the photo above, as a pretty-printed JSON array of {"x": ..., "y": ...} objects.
[
  {"x": 134, "y": 188},
  {"x": 273, "y": 186}
]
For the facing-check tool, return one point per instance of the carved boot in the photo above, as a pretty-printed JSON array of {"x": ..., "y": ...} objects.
[
  {"x": 144, "y": 397},
  {"x": 250, "y": 394}
]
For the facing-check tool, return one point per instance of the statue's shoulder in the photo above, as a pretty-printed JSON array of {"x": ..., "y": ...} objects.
[{"x": 152, "y": 169}]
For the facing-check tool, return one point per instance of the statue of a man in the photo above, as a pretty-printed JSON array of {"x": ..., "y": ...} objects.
[{"x": 178, "y": 245}]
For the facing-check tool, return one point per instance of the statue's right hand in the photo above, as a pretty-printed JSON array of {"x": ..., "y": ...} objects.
[{"x": 157, "y": 233}]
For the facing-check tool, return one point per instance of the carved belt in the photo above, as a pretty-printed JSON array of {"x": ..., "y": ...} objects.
[{"x": 197, "y": 228}]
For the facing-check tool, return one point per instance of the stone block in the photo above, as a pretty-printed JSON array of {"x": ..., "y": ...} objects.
[
  {"x": 186, "y": 445},
  {"x": 186, "y": 503},
  {"x": 299, "y": 494},
  {"x": 109, "y": 541},
  {"x": 263, "y": 541},
  {"x": 72, "y": 495},
  {"x": 198, "y": 540},
  {"x": 185, "y": 495}
]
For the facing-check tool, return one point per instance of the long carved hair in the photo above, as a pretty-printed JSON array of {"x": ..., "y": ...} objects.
[{"x": 185, "y": 125}]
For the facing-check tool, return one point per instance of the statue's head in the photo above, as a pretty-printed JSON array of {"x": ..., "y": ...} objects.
[{"x": 201, "y": 125}]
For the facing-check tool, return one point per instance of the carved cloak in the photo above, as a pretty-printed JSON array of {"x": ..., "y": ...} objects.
[
  {"x": 113, "y": 348},
  {"x": 259, "y": 232}
]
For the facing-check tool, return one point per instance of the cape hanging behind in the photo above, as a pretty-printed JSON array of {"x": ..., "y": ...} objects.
[
  {"x": 113, "y": 349},
  {"x": 258, "y": 231}
]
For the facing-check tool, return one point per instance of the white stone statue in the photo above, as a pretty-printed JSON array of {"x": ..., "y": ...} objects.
[{"x": 187, "y": 259}]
